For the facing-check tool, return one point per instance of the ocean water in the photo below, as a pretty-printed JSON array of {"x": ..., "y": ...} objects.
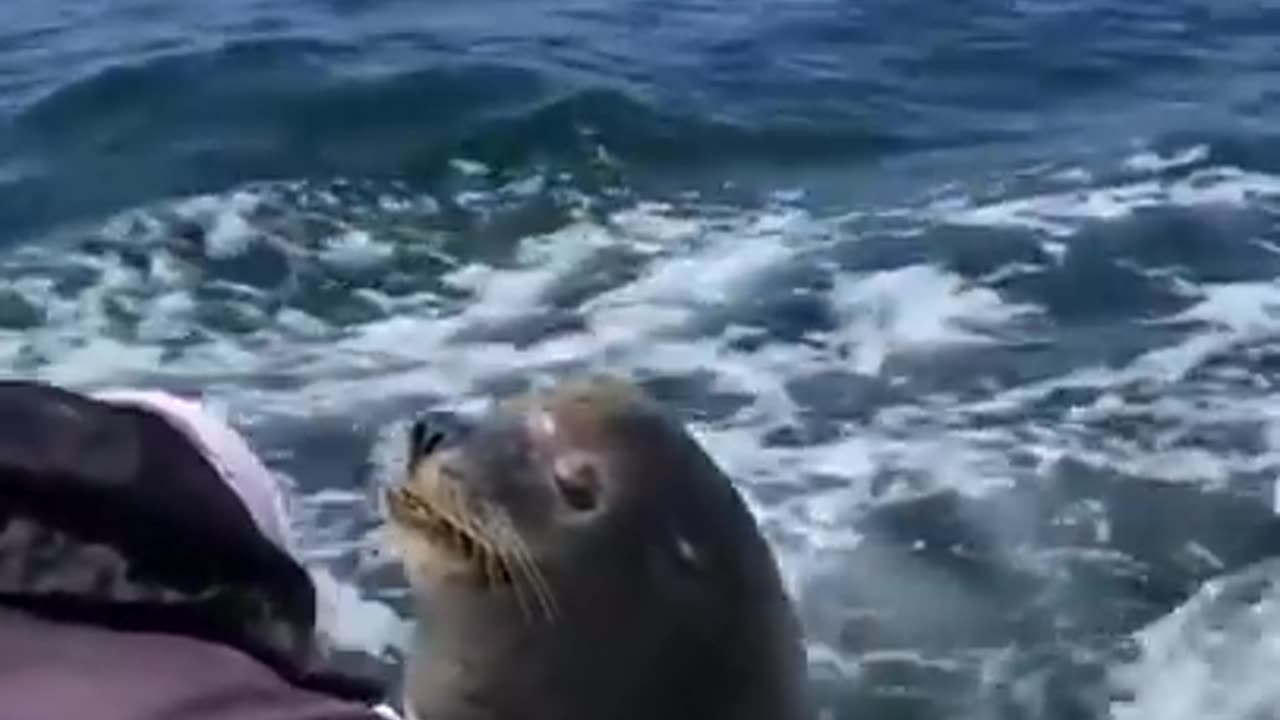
[{"x": 976, "y": 300}]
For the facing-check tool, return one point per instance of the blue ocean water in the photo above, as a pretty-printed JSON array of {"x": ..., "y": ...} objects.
[{"x": 977, "y": 300}]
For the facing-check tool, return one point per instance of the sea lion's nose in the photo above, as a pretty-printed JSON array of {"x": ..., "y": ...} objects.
[{"x": 433, "y": 431}]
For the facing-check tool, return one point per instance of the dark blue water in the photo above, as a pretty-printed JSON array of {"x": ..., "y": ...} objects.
[
  {"x": 989, "y": 286},
  {"x": 106, "y": 105}
]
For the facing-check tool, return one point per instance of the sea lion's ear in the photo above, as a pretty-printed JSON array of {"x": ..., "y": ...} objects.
[
  {"x": 688, "y": 553},
  {"x": 681, "y": 551},
  {"x": 680, "y": 566}
]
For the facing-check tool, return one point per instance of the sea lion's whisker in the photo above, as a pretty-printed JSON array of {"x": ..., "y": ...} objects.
[
  {"x": 441, "y": 514},
  {"x": 489, "y": 540},
  {"x": 517, "y": 585},
  {"x": 456, "y": 512},
  {"x": 550, "y": 606},
  {"x": 489, "y": 572},
  {"x": 447, "y": 504},
  {"x": 526, "y": 561},
  {"x": 503, "y": 566},
  {"x": 494, "y": 564},
  {"x": 539, "y": 585},
  {"x": 546, "y": 595},
  {"x": 513, "y": 562},
  {"x": 473, "y": 524},
  {"x": 451, "y": 502}
]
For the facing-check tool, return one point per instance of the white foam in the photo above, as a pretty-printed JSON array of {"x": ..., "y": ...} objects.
[
  {"x": 1212, "y": 659},
  {"x": 915, "y": 307},
  {"x": 513, "y": 291},
  {"x": 1245, "y": 309},
  {"x": 1062, "y": 214},
  {"x": 229, "y": 232},
  {"x": 468, "y": 167},
  {"x": 656, "y": 227},
  {"x": 350, "y": 621},
  {"x": 1150, "y": 161},
  {"x": 355, "y": 250}
]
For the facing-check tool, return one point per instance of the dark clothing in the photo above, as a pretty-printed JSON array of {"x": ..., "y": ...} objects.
[
  {"x": 135, "y": 585},
  {"x": 67, "y": 671}
]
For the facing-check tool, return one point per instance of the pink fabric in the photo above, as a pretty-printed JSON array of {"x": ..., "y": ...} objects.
[{"x": 225, "y": 449}]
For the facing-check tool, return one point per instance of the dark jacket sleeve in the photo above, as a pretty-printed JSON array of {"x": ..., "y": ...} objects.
[{"x": 135, "y": 586}]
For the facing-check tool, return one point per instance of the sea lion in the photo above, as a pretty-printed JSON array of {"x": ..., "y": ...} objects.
[{"x": 580, "y": 557}]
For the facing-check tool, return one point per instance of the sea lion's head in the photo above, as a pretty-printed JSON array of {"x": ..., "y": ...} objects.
[{"x": 582, "y": 556}]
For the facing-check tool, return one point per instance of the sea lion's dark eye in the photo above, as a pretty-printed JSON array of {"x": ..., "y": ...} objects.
[{"x": 579, "y": 486}]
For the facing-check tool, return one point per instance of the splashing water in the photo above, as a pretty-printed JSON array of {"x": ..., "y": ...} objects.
[{"x": 953, "y": 440}]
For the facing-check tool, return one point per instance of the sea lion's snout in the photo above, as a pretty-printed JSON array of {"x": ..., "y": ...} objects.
[
  {"x": 434, "y": 431},
  {"x": 472, "y": 509},
  {"x": 512, "y": 489}
]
